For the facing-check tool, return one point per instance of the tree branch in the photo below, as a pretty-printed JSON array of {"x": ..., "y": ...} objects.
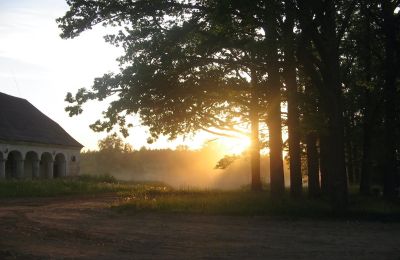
[{"x": 217, "y": 133}]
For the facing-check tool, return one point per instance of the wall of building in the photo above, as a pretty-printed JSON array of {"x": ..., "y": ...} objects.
[{"x": 63, "y": 161}]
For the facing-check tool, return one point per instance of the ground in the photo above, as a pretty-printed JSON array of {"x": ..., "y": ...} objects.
[{"x": 87, "y": 228}]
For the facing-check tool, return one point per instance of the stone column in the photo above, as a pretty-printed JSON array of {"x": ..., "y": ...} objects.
[
  {"x": 35, "y": 169},
  {"x": 20, "y": 169},
  {"x": 2, "y": 169},
  {"x": 50, "y": 169}
]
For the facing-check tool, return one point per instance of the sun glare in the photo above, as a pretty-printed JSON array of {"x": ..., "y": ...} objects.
[{"x": 234, "y": 145}]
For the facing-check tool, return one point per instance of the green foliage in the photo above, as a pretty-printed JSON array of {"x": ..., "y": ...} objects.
[
  {"x": 226, "y": 161},
  {"x": 195, "y": 65},
  {"x": 113, "y": 143},
  {"x": 184, "y": 68}
]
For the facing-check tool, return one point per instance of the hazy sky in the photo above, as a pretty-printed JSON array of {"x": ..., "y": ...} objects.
[{"x": 36, "y": 64}]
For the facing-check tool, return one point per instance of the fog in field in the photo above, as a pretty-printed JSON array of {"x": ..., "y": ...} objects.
[{"x": 178, "y": 168}]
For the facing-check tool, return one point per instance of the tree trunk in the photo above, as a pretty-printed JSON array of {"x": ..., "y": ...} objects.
[
  {"x": 365, "y": 178},
  {"x": 312, "y": 165},
  {"x": 255, "y": 142},
  {"x": 350, "y": 162},
  {"x": 349, "y": 151},
  {"x": 293, "y": 104},
  {"x": 323, "y": 32},
  {"x": 389, "y": 92},
  {"x": 334, "y": 110},
  {"x": 324, "y": 154},
  {"x": 311, "y": 109},
  {"x": 336, "y": 160},
  {"x": 305, "y": 56},
  {"x": 274, "y": 101},
  {"x": 356, "y": 163}
]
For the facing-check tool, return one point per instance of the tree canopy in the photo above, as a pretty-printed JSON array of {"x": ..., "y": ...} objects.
[{"x": 225, "y": 66}]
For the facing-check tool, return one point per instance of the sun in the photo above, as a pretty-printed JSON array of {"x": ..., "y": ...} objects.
[{"x": 234, "y": 145}]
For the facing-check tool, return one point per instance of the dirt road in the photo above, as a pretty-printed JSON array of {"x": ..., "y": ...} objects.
[{"x": 86, "y": 228}]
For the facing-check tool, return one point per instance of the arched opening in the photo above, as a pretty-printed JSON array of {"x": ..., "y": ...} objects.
[
  {"x": 31, "y": 168},
  {"x": 14, "y": 165},
  {"x": 59, "y": 166},
  {"x": 46, "y": 166}
]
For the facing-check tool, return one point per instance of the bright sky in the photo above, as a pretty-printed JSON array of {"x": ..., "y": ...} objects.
[{"x": 37, "y": 65}]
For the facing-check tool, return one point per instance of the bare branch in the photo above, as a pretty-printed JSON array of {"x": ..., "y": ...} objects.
[{"x": 218, "y": 133}]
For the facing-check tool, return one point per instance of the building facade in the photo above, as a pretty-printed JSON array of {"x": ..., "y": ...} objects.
[{"x": 33, "y": 146}]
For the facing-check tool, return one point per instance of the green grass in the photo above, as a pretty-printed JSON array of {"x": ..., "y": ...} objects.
[
  {"x": 248, "y": 203},
  {"x": 157, "y": 197},
  {"x": 212, "y": 202},
  {"x": 81, "y": 185}
]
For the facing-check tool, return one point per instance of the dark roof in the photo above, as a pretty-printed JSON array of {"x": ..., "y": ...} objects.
[{"x": 20, "y": 121}]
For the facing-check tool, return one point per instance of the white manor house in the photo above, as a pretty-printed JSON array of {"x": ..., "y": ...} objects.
[{"x": 32, "y": 145}]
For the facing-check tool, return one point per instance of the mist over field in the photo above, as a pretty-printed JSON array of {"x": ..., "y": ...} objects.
[{"x": 178, "y": 168}]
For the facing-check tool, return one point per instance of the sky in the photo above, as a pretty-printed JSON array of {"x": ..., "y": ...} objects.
[{"x": 37, "y": 65}]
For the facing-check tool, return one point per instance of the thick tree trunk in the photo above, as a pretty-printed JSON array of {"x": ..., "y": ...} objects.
[
  {"x": 349, "y": 151},
  {"x": 336, "y": 160},
  {"x": 310, "y": 109},
  {"x": 323, "y": 32},
  {"x": 334, "y": 110},
  {"x": 274, "y": 101},
  {"x": 293, "y": 104},
  {"x": 365, "y": 178},
  {"x": 276, "y": 161},
  {"x": 389, "y": 92},
  {"x": 326, "y": 186},
  {"x": 350, "y": 162},
  {"x": 304, "y": 54},
  {"x": 312, "y": 165},
  {"x": 356, "y": 163}
]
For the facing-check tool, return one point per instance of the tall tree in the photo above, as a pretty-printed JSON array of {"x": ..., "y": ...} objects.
[
  {"x": 318, "y": 21},
  {"x": 255, "y": 133},
  {"x": 186, "y": 74},
  {"x": 390, "y": 30},
  {"x": 365, "y": 44},
  {"x": 290, "y": 78},
  {"x": 270, "y": 26}
]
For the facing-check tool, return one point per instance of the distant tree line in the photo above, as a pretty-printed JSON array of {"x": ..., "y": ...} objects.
[
  {"x": 328, "y": 70},
  {"x": 180, "y": 168}
]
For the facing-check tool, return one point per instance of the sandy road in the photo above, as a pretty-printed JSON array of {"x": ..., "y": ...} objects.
[{"x": 86, "y": 228}]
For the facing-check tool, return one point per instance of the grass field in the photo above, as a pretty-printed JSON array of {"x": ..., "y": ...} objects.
[
  {"x": 81, "y": 185},
  {"x": 251, "y": 204},
  {"x": 157, "y": 197}
]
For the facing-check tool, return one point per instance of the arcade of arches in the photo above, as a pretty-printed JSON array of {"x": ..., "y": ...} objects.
[{"x": 32, "y": 165}]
